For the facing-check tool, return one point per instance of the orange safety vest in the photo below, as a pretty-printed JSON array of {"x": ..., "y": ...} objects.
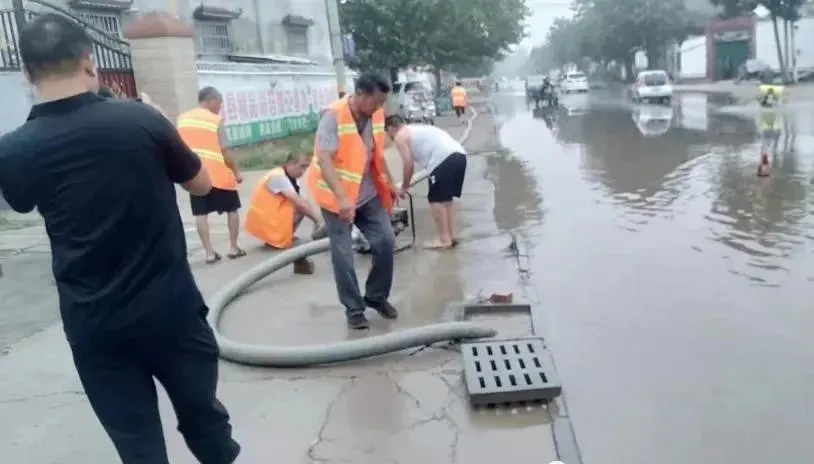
[
  {"x": 270, "y": 218},
  {"x": 350, "y": 161},
  {"x": 199, "y": 130},
  {"x": 458, "y": 95}
]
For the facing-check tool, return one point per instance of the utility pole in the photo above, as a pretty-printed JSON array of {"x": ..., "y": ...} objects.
[{"x": 332, "y": 9}]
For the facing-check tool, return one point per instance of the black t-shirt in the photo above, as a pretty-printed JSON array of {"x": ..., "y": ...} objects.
[{"x": 101, "y": 174}]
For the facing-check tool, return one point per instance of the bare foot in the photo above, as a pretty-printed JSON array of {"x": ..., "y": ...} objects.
[{"x": 438, "y": 245}]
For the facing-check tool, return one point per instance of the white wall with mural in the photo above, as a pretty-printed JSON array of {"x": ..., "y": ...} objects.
[{"x": 262, "y": 105}]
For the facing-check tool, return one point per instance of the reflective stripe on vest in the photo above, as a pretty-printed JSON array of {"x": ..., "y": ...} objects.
[
  {"x": 199, "y": 130},
  {"x": 349, "y": 161}
]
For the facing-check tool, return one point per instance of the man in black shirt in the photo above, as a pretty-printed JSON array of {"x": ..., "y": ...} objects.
[{"x": 101, "y": 173}]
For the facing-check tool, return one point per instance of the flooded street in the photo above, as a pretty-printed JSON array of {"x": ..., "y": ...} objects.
[{"x": 675, "y": 284}]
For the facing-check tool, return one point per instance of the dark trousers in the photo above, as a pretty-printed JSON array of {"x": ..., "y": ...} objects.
[
  {"x": 374, "y": 223},
  {"x": 118, "y": 379}
]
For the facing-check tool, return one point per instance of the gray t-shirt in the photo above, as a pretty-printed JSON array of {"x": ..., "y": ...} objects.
[{"x": 328, "y": 140}]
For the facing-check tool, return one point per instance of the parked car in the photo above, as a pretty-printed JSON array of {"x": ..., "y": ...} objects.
[
  {"x": 652, "y": 86},
  {"x": 574, "y": 82}
]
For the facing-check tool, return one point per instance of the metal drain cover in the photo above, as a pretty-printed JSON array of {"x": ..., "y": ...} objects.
[{"x": 509, "y": 371}]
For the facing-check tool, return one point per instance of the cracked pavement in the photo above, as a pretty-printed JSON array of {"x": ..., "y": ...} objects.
[{"x": 402, "y": 408}]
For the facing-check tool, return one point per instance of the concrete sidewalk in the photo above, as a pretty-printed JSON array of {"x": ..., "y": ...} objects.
[
  {"x": 405, "y": 408},
  {"x": 745, "y": 91}
]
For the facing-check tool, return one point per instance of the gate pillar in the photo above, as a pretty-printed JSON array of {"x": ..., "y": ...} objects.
[{"x": 163, "y": 53}]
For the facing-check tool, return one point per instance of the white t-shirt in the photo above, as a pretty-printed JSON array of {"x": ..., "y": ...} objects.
[{"x": 431, "y": 146}]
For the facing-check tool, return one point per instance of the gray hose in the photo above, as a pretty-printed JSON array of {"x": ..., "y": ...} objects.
[{"x": 304, "y": 356}]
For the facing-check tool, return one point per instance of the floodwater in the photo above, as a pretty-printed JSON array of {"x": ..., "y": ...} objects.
[{"x": 675, "y": 284}]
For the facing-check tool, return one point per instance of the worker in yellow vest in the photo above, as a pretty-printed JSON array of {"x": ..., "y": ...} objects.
[
  {"x": 352, "y": 185},
  {"x": 202, "y": 130},
  {"x": 458, "y": 97},
  {"x": 276, "y": 208}
]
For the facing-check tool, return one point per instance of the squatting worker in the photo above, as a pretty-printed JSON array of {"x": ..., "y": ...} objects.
[
  {"x": 350, "y": 182},
  {"x": 101, "y": 173},
  {"x": 458, "y": 96},
  {"x": 203, "y": 131},
  {"x": 277, "y": 209},
  {"x": 429, "y": 148}
]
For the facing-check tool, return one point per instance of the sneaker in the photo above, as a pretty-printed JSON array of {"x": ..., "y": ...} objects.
[
  {"x": 386, "y": 310},
  {"x": 358, "y": 322}
]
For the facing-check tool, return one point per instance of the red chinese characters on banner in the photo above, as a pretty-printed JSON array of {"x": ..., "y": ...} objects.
[
  {"x": 274, "y": 110},
  {"x": 302, "y": 104},
  {"x": 281, "y": 106},
  {"x": 242, "y": 106},
  {"x": 229, "y": 107},
  {"x": 251, "y": 98},
  {"x": 263, "y": 104}
]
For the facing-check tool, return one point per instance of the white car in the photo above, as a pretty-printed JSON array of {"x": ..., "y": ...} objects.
[
  {"x": 574, "y": 82},
  {"x": 652, "y": 87}
]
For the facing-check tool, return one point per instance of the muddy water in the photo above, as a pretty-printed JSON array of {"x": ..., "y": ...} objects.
[{"x": 676, "y": 285}]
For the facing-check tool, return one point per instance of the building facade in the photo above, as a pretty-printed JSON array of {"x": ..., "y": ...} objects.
[{"x": 291, "y": 28}]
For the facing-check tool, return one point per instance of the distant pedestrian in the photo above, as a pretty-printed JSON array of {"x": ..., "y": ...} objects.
[
  {"x": 458, "y": 96},
  {"x": 432, "y": 149},
  {"x": 101, "y": 173},
  {"x": 203, "y": 131},
  {"x": 351, "y": 183}
]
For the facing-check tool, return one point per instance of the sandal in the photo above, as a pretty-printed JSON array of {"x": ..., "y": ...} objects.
[
  {"x": 213, "y": 259},
  {"x": 238, "y": 254}
]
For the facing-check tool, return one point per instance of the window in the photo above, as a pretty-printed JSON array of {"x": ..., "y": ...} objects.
[
  {"x": 105, "y": 22},
  {"x": 213, "y": 36},
  {"x": 296, "y": 40}
]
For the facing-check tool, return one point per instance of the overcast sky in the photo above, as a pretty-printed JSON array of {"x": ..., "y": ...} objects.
[{"x": 543, "y": 14}]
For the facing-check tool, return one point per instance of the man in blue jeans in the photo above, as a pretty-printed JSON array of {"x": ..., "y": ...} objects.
[{"x": 351, "y": 133}]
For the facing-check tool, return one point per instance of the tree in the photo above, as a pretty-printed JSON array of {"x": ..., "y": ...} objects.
[
  {"x": 468, "y": 31},
  {"x": 382, "y": 32},
  {"x": 613, "y": 30},
  {"x": 788, "y": 11},
  {"x": 734, "y": 8},
  {"x": 394, "y": 34}
]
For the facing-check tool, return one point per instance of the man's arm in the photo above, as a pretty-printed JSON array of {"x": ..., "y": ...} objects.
[
  {"x": 14, "y": 181},
  {"x": 182, "y": 165},
  {"x": 228, "y": 156},
  {"x": 402, "y": 143},
  {"x": 327, "y": 141},
  {"x": 282, "y": 186}
]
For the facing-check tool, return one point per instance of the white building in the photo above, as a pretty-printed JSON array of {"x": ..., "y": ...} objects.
[{"x": 297, "y": 28}]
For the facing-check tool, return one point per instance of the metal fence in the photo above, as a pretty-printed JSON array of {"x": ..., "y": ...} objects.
[{"x": 112, "y": 54}]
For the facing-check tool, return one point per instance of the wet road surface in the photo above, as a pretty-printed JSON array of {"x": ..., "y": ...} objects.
[{"x": 675, "y": 284}]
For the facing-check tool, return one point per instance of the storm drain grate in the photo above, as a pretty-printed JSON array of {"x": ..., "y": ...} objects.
[{"x": 509, "y": 371}]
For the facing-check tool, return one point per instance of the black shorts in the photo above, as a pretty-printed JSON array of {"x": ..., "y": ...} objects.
[
  {"x": 447, "y": 179},
  {"x": 217, "y": 201},
  {"x": 460, "y": 111}
]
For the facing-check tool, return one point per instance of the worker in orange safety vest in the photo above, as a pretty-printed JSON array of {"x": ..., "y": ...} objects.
[
  {"x": 458, "y": 97},
  {"x": 203, "y": 131},
  {"x": 276, "y": 208},
  {"x": 351, "y": 183}
]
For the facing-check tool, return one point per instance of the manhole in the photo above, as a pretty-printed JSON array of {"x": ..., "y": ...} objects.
[{"x": 509, "y": 371}]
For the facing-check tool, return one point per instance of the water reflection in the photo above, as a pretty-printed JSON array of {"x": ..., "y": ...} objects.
[
  {"x": 652, "y": 120},
  {"x": 517, "y": 198}
]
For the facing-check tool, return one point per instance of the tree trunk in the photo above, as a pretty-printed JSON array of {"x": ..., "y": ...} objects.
[
  {"x": 629, "y": 74},
  {"x": 786, "y": 54},
  {"x": 781, "y": 62},
  {"x": 653, "y": 58},
  {"x": 394, "y": 75},
  {"x": 436, "y": 72}
]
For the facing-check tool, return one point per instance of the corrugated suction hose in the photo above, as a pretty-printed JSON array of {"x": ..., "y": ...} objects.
[{"x": 305, "y": 356}]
